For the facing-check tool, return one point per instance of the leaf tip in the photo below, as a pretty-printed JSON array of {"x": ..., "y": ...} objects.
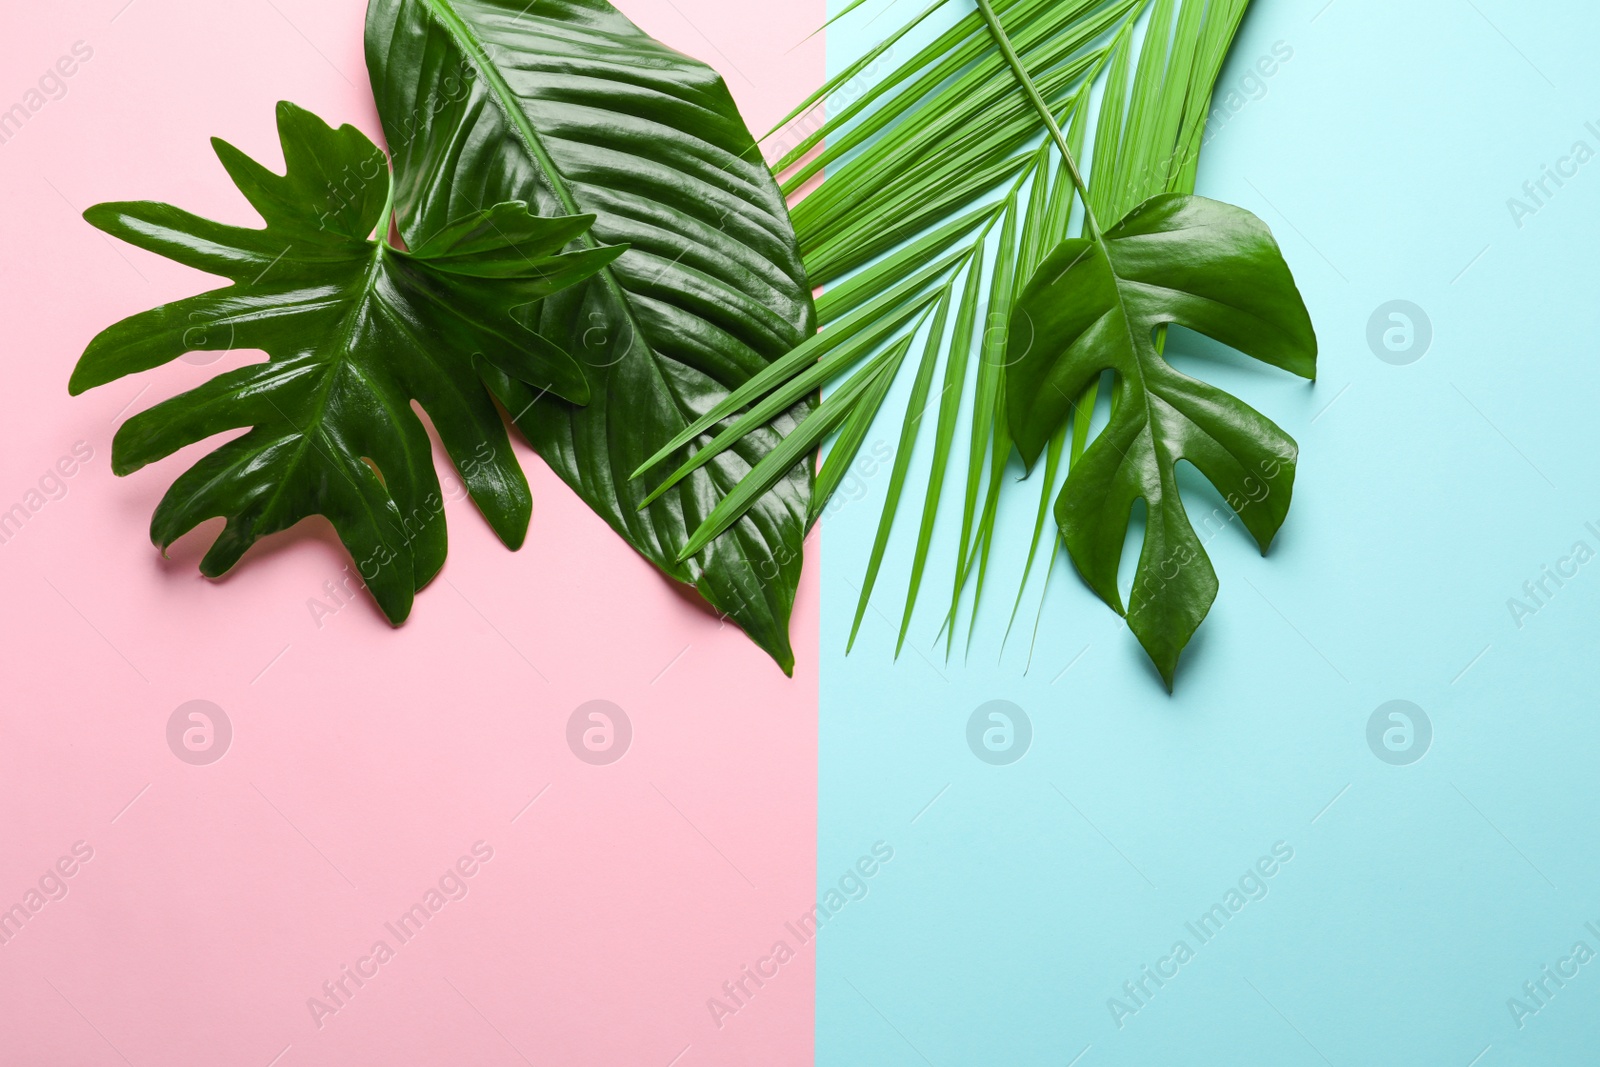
[
  {"x": 575, "y": 391},
  {"x": 102, "y": 216}
]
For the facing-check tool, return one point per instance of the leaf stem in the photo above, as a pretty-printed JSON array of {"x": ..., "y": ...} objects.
[
  {"x": 386, "y": 225},
  {"x": 1043, "y": 108}
]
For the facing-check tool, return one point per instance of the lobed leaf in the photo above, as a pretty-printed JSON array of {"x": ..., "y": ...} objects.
[
  {"x": 355, "y": 331},
  {"x": 1094, "y": 306}
]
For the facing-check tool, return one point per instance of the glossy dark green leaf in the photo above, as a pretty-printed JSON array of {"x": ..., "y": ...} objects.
[
  {"x": 356, "y": 330},
  {"x": 570, "y": 106},
  {"x": 1095, "y": 305}
]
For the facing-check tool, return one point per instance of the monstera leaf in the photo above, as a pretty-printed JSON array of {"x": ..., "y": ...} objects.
[
  {"x": 1095, "y": 305},
  {"x": 569, "y": 106},
  {"x": 355, "y": 330}
]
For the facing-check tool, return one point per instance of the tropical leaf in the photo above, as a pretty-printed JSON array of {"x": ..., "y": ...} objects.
[
  {"x": 1095, "y": 305},
  {"x": 356, "y": 330},
  {"x": 569, "y": 106},
  {"x": 952, "y": 178}
]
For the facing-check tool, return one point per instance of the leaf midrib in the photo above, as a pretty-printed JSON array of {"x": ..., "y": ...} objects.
[
  {"x": 1101, "y": 240},
  {"x": 511, "y": 106},
  {"x": 1163, "y": 471},
  {"x": 342, "y": 357}
]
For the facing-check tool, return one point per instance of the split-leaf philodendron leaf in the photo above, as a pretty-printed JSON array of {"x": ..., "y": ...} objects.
[
  {"x": 1095, "y": 305},
  {"x": 568, "y": 105},
  {"x": 355, "y": 330}
]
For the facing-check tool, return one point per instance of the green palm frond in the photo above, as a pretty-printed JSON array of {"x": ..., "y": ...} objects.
[{"x": 948, "y": 182}]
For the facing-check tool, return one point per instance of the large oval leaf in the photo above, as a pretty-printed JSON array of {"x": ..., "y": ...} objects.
[{"x": 568, "y": 105}]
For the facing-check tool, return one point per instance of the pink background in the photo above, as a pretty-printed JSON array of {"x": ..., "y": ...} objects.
[{"x": 364, "y": 760}]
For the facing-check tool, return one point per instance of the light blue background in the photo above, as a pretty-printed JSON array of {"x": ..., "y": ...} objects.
[{"x": 1382, "y": 155}]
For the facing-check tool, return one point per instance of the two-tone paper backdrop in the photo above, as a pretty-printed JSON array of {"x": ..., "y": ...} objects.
[{"x": 1423, "y": 872}]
